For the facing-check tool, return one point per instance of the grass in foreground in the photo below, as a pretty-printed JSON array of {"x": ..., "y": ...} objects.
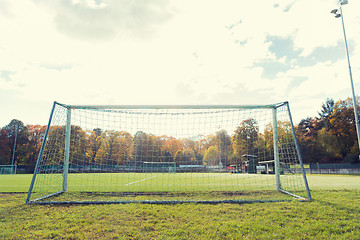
[{"x": 333, "y": 214}]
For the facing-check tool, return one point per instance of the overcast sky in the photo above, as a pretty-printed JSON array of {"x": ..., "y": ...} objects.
[{"x": 174, "y": 52}]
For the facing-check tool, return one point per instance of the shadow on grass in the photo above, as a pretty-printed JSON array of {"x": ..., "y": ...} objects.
[{"x": 344, "y": 200}]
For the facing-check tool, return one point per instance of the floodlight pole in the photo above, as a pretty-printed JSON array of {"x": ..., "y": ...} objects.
[
  {"x": 14, "y": 149},
  {"x": 220, "y": 163},
  {"x": 343, "y": 2}
]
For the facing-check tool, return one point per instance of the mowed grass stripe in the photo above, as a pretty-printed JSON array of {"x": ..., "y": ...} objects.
[
  {"x": 113, "y": 182},
  {"x": 168, "y": 182},
  {"x": 15, "y": 182},
  {"x": 164, "y": 181},
  {"x": 139, "y": 181}
]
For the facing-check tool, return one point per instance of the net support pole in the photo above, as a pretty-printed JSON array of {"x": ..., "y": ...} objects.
[
  {"x": 276, "y": 150},
  {"x": 67, "y": 150},
  {"x": 40, "y": 155},
  {"x": 299, "y": 153}
]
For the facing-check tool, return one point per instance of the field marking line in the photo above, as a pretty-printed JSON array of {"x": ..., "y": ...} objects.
[{"x": 140, "y": 180}]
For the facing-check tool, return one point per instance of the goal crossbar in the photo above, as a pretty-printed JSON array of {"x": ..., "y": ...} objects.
[{"x": 276, "y": 105}]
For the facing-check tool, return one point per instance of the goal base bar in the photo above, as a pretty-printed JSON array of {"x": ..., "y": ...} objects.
[
  {"x": 155, "y": 202},
  {"x": 294, "y": 195},
  {"x": 45, "y": 197},
  {"x": 165, "y": 202}
]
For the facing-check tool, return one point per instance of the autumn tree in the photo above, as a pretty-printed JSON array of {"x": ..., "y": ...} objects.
[
  {"x": 185, "y": 157},
  {"x": 56, "y": 140},
  {"x": 331, "y": 148},
  {"x": 193, "y": 150},
  {"x": 36, "y": 135},
  {"x": 178, "y": 157},
  {"x": 211, "y": 156},
  {"x": 169, "y": 147},
  {"x": 285, "y": 136},
  {"x": 331, "y": 137},
  {"x": 311, "y": 148},
  {"x": 210, "y": 140},
  {"x": 342, "y": 126},
  {"x": 78, "y": 146},
  {"x": 116, "y": 147},
  {"x": 5, "y": 150},
  {"x": 95, "y": 141},
  {"x": 185, "y": 154}
]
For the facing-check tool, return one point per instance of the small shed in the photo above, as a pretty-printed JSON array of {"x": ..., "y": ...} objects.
[
  {"x": 250, "y": 163},
  {"x": 269, "y": 166}
]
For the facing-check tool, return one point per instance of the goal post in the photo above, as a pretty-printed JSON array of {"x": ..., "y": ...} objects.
[
  {"x": 276, "y": 149},
  {"x": 129, "y": 153},
  {"x": 67, "y": 149}
]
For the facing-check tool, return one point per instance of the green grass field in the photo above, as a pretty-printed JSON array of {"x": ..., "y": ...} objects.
[
  {"x": 333, "y": 213},
  {"x": 160, "y": 186}
]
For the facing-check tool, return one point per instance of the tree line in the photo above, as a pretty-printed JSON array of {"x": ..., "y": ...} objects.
[
  {"x": 98, "y": 146},
  {"x": 328, "y": 137},
  {"x": 331, "y": 136}
]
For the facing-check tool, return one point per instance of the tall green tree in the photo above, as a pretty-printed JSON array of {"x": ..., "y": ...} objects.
[
  {"x": 224, "y": 146},
  {"x": 95, "y": 141},
  {"x": 18, "y": 136},
  {"x": 246, "y": 138},
  {"x": 327, "y": 109},
  {"x": 146, "y": 148}
]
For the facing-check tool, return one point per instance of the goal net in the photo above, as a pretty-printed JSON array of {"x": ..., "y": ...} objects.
[{"x": 168, "y": 154}]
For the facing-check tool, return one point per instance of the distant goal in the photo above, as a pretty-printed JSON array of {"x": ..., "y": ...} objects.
[
  {"x": 8, "y": 169},
  {"x": 161, "y": 167},
  {"x": 168, "y": 154}
]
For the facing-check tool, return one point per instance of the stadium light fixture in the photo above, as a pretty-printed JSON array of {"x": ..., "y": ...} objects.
[{"x": 337, "y": 15}]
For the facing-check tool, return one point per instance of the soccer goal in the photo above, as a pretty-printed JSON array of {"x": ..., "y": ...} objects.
[
  {"x": 168, "y": 154},
  {"x": 165, "y": 167},
  {"x": 8, "y": 169}
]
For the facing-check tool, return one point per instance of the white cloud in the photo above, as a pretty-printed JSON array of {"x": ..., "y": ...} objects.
[
  {"x": 88, "y": 20},
  {"x": 171, "y": 52}
]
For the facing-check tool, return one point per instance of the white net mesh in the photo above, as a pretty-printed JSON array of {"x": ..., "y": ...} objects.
[{"x": 162, "y": 154}]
